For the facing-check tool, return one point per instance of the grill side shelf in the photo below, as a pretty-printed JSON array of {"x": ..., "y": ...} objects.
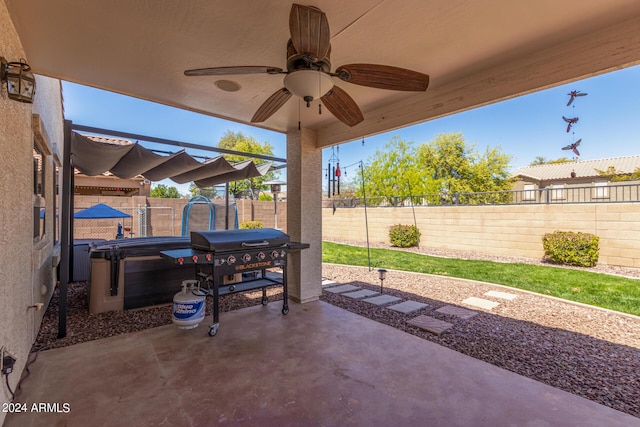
[{"x": 248, "y": 286}]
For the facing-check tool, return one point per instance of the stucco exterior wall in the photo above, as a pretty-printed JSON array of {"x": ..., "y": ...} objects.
[
  {"x": 510, "y": 230},
  {"x": 27, "y": 272}
]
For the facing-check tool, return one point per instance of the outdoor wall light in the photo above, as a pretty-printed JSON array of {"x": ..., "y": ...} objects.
[
  {"x": 275, "y": 189},
  {"x": 21, "y": 84},
  {"x": 383, "y": 274}
]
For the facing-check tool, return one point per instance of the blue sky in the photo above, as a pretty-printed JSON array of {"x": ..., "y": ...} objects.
[{"x": 524, "y": 127}]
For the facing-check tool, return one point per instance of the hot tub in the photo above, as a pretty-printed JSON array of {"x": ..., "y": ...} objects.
[{"x": 130, "y": 273}]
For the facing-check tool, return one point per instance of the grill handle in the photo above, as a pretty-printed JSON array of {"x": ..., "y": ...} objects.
[{"x": 255, "y": 245}]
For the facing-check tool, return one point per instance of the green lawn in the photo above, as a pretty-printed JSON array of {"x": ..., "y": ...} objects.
[{"x": 602, "y": 290}]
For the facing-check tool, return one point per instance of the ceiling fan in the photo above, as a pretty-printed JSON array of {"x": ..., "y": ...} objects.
[{"x": 309, "y": 75}]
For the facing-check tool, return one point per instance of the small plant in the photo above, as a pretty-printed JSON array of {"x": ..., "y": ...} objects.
[
  {"x": 404, "y": 236},
  {"x": 570, "y": 248},
  {"x": 251, "y": 224}
]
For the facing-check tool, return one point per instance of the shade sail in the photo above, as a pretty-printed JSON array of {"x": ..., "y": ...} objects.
[
  {"x": 212, "y": 167},
  {"x": 243, "y": 170},
  {"x": 94, "y": 158},
  {"x": 100, "y": 211},
  {"x": 127, "y": 160},
  {"x": 176, "y": 164},
  {"x": 137, "y": 161}
]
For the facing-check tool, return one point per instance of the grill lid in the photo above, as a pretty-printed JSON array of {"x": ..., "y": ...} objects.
[{"x": 237, "y": 240}]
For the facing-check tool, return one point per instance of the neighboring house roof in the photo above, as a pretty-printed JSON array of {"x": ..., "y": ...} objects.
[
  {"x": 108, "y": 140},
  {"x": 582, "y": 168}
]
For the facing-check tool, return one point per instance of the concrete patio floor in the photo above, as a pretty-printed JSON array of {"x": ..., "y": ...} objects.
[{"x": 317, "y": 366}]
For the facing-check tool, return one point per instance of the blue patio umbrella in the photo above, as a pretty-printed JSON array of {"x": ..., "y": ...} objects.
[{"x": 100, "y": 211}]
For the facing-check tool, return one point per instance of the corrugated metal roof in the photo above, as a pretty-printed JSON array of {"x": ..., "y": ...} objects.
[{"x": 582, "y": 168}]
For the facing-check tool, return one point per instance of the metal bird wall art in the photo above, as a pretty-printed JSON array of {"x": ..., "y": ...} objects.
[
  {"x": 570, "y": 121},
  {"x": 573, "y": 94},
  {"x": 573, "y": 147}
]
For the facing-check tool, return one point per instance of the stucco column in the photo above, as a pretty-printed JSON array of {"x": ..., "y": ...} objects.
[{"x": 304, "y": 214}]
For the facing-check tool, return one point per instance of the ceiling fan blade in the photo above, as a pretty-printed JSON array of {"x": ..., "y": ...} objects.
[
  {"x": 309, "y": 30},
  {"x": 342, "y": 106},
  {"x": 271, "y": 105},
  {"x": 222, "y": 71},
  {"x": 383, "y": 77}
]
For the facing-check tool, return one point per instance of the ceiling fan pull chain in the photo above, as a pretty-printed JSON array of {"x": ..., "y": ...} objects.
[{"x": 320, "y": 92}]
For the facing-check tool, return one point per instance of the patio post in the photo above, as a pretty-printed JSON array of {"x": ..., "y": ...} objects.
[
  {"x": 304, "y": 214},
  {"x": 65, "y": 233}
]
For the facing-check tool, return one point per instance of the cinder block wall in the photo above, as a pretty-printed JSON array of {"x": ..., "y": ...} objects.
[
  {"x": 498, "y": 230},
  {"x": 511, "y": 230},
  {"x": 164, "y": 218}
]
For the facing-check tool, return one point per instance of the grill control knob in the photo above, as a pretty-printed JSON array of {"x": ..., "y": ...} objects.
[
  {"x": 231, "y": 259},
  {"x": 260, "y": 256},
  {"x": 246, "y": 257},
  {"x": 275, "y": 254}
]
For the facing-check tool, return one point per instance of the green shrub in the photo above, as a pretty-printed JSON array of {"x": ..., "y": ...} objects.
[
  {"x": 251, "y": 224},
  {"x": 567, "y": 247},
  {"x": 404, "y": 236}
]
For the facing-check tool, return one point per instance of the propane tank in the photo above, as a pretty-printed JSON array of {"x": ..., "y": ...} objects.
[{"x": 188, "y": 305}]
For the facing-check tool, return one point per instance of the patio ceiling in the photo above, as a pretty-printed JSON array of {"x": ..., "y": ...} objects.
[{"x": 476, "y": 52}]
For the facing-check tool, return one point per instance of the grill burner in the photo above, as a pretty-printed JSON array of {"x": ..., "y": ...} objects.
[{"x": 221, "y": 253}]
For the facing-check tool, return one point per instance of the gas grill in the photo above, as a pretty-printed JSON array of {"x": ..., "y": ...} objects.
[{"x": 231, "y": 261}]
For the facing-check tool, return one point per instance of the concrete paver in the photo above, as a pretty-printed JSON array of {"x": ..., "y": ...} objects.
[
  {"x": 381, "y": 299},
  {"x": 407, "y": 307},
  {"x": 340, "y": 289},
  {"x": 481, "y": 302},
  {"x": 460, "y": 312},
  {"x": 430, "y": 324},
  {"x": 360, "y": 294},
  {"x": 327, "y": 282},
  {"x": 502, "y": 295}
]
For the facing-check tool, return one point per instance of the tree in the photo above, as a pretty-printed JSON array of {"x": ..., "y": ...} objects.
[
  {"x": 393, "y": 171},
  {"x": 539, "y": 160},
  {"x": 164, "y": 192},
  {"x": 237, "y": 141},
  {"x": 209, "y": 192},
  {"x": 445, "y": 165},
  {"x": 615, "y": 175}
]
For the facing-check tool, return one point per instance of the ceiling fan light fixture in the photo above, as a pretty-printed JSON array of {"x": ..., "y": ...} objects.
[{"x": 308, "y": 84}]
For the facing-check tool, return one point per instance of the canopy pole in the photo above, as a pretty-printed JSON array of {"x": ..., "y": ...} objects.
[
  {"x": 226, "y": 206},
  {"x": 65, "y": 208},
  {"x": 366, "y": 218}
]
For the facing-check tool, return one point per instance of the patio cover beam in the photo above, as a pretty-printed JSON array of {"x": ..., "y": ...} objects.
[{"x": 182, "y": 144}]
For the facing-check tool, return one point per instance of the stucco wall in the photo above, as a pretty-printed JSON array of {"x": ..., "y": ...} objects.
[
  {"x": 26, "y": 275},
  {"x": 509, "y": 230}
]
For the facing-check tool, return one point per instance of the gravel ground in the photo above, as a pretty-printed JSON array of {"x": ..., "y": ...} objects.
[
  {"x": 583, "y": 350},
  {"x": 586, "y": 351}
]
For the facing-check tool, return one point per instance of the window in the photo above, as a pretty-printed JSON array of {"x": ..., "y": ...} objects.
[
  {"x": 601, "y": 190},
  {"x": 38, "y": 193},
  {"x": 529, "y": 193},
  {"x": 557, "y": 192}
]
